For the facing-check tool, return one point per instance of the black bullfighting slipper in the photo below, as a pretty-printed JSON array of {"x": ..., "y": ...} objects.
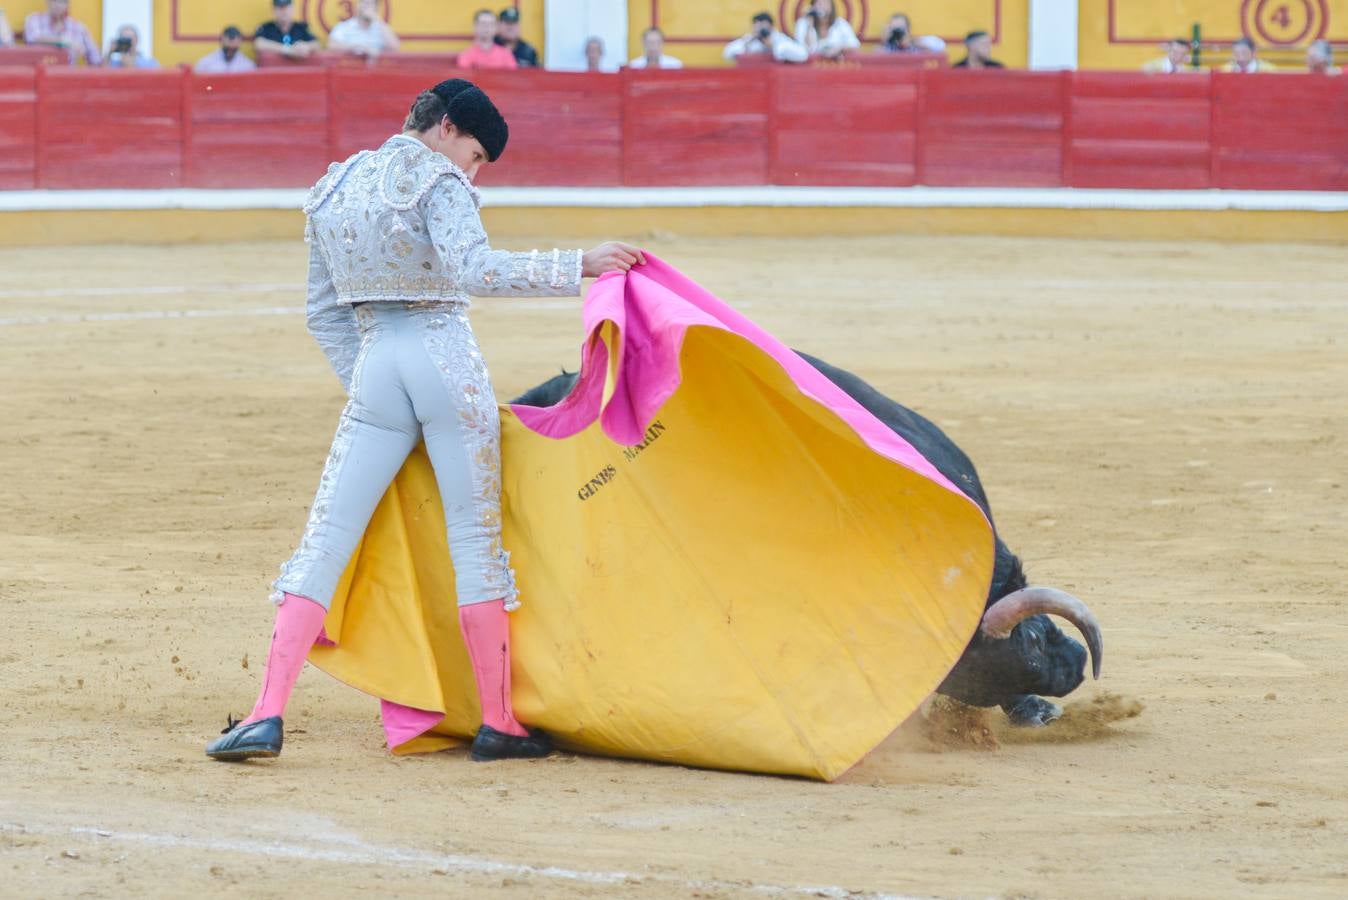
[
  {"x": 256, "y": 740},
  {"x": 491, "y": 744}
]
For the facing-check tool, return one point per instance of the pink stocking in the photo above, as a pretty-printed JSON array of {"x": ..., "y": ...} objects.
[
  {"x": 299, "y": 621},
  {"x": 486, "y": 631}
]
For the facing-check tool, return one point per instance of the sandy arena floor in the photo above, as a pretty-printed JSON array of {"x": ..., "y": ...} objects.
[{"x": 1160, "y": 428}]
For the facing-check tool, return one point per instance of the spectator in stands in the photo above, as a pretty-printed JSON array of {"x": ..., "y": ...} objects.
[
  {"x": 978, "y": 52},
  {"x": 284, "y": 35},
  {"x": 1176, "y": 59},
  {"x": 484, "y": 52},
  {"x": 653, "y": 57},
  {"x": 508, "y": 36},
  {"x": 57, "y": 28},
  {"x": 1244, "y": 58},
  {"x": 825, "y": 33},
  {"x": 764, "y": 39},
  {"x": 364, "y": 34},
  {"x": 899, "y": 38},
  {"x": 1320, "y": 59},
  {"x": 594, "y": 56},
  {"x": 228, "y": 58},
  {"x": 6, "y": 33},
  {"x": 124, "y": 51}
]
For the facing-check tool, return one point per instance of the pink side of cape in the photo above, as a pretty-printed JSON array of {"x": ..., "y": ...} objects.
[
  {"x": 653, "y": 306},
  {"x": 402, "y": 723}
]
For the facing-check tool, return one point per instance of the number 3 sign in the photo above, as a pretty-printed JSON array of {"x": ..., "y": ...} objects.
[{"x": 330, "y": 12}]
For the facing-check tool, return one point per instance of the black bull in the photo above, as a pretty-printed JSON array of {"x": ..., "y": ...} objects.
[{"x": 1018, "y": 653}]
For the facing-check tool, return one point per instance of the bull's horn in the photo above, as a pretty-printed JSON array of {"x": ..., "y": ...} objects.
[{"x": 1017, "y": 606}]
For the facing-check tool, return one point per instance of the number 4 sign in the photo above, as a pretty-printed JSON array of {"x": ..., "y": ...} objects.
[{"x": 1284, "y": 22}]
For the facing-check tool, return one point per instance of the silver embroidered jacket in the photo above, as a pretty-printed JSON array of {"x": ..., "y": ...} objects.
[{"x": 400, "y": 224}]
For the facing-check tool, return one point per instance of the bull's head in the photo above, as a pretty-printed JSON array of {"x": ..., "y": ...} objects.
[{"x": 1018, "y": 650}]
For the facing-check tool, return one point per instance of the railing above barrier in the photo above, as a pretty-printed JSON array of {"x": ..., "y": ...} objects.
[{"x": 75, "y": 128}]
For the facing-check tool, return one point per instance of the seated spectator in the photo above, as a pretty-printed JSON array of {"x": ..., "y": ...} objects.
[
  {"x": 229, "y": 58},
  {"x": 284, "y": 35},
  {"x": 124, "y": 51},
  {"x": 899, "y": 38},
  {"x": 57, "y": 28},
  {"x": 765, "y": 39},
  {"x": 653, "y": 43},
  {"x": 1320, "y": 59},
  {"x": 508, "y": 36},
  {"x": 484, "y": 52},
  {"x": 1176, "y": 59},
  {"x": 978, "y": 52},
  {"x": 6, "y": 33},
  {"x": 594, "y": 56},
  {"x": 364, "y": 34},
  {"x": 1244, "y": 58},
  {"x": 822, "y": 32}
]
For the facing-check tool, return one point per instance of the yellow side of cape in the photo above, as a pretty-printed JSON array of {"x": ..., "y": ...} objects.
[{"x": 752, "y": 588}]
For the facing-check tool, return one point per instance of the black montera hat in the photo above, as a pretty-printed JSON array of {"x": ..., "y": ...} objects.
[
  {"x": 472, "y": 112},
  {"x": 448, "y": 90}
]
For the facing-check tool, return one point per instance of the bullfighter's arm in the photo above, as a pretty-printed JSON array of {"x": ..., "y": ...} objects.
[
  {"x": 461, "y": 243},
  {"x": 332, "y": 324}
]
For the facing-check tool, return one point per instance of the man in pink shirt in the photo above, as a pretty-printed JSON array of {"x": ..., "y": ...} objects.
[
  {"x": 56, "y": 27},
  {"x": 484, "y": 52}
]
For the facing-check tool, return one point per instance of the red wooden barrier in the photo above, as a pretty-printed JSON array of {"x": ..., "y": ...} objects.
[
  {"x": 323, "y": 59},
  {"x": 65, "y": 127},
  {"x": 915, "y": 60},
  {"x": 566, "y": 128},
  {"x": 110, "y": 129},
  {"x": 34, "y": 55},
  {"x": 257, "y": 129},
  {"x": 1131, "y": 130},
  {"x": 436, "y": 62},
  {"x": 317, "y": 60},
  {"x": 690, "y": 127},
  {"x": 843, "y": 126},
  {"x": 997, "y": 128},
  {"x": 368, "y": 107},
  {"x": 1283, "y": 132},
  {"x": 18, "y": 128}
]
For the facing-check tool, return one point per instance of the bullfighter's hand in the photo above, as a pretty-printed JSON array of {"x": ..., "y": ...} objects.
[{"x": 610, "y": 256}]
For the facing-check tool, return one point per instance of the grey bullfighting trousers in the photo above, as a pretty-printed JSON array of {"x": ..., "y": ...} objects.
[{"x": 418, "y": 374}]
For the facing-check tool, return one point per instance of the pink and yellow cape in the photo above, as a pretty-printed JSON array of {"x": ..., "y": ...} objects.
[{"x": 724, "y": 560}]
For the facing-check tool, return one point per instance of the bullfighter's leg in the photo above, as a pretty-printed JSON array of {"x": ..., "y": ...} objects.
[
  {"x": 377, "y": 430},
  {"x": 1031, "y": 711},
  {"x": 457, "y": 407}
]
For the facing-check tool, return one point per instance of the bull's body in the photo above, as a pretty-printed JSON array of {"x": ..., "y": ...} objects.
[{"x": 1037, "y": 658}]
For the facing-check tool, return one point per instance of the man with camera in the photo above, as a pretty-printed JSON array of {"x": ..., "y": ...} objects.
[
  {"x": 899, "y": 38},
  {"x": 125, "y": 51},
  {"x": 765, "y": 39}
]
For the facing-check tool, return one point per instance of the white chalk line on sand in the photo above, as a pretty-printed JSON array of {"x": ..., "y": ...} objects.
[
  {"x": 245, "y": 312},
  {"x": 174, "y": 289},
  {"x": 356, "y": 852},
  {"x": 151, "y": 314}
]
